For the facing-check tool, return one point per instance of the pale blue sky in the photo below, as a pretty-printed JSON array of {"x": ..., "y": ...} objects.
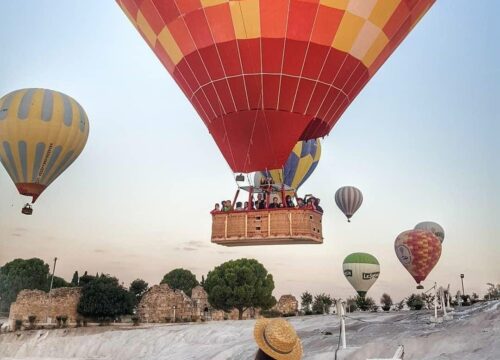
[{"x": 421, "y": 141}]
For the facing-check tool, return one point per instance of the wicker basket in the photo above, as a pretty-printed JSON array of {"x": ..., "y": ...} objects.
[{"x": 267, "y": 227}]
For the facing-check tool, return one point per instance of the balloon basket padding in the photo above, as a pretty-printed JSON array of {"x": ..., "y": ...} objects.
[{"x": 267, "y": 227}]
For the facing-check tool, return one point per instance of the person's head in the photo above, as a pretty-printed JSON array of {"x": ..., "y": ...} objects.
[
  {"x": 238, "y": 205},
  {"x": 288, "y": 198},
  {"x": 300, "y": 201},
  {"x": 223, "y": 202},
  {"x": 316, "y": 201},
  {"x": 245, "y": 205},
  {"x": 217, "y": 206},
  {"x": 275, "y": 200},
  {"x": 277, "y": 339},
  {"x": 261, "y": 355},
  {"x": 259, "y": 196},
  {"x": 228, "y": 203},
  {"x": 309, "y": 201}
]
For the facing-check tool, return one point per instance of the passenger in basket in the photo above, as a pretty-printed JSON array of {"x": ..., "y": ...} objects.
[
  {"x": 289, "y": 202},
  {"x": 239, "y": 206},
  {"x": 260, "y": 203},
  {"x": 310, "y": 204},
  {"x": 245, "y": 206},
  {"x": 316, "y": 205},
  {"x": 227, "y": 206},
  {"x": 300, "y": 203},
  {"x": 216, "y": 208},
  {"x": 275, "y": 204}
]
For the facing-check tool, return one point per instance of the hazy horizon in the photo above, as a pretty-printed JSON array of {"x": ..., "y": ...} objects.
[{"x": 420, "y": 141}]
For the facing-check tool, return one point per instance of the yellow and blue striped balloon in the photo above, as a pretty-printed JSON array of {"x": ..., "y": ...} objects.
[
  {"x": 41, "y": 133},
  {"x": 300, "y": 165}
]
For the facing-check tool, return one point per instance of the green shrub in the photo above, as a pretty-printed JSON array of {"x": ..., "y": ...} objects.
[
  {"x": 135, "y": 320},
  {"x": 18, "y": 323},
  {"x": 270, "y": 313}
]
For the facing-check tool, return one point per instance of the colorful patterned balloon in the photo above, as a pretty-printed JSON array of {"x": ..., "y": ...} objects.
[
  {"x": 264, "y": 74},
  {"x": 418, "y": 251},
  {"x": 41, "y": 133},
  {"x": 349, "y": 200},
  {"x": 433, "y": 227},
  {"x": 300, "y": 165},
  {"x": 361, "y": 270}
]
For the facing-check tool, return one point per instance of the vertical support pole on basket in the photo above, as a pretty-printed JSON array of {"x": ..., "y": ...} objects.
[
  {"x": 283, "y": 200},
  {"x": 235, "y": 198},
  {"x": 250, "y": 199}
]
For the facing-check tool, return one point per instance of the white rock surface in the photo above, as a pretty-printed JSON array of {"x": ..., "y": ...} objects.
[{"x": 473, "y": 334}]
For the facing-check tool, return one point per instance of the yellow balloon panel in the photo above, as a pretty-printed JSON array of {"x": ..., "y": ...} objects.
[{"x": 41, "y": 133}]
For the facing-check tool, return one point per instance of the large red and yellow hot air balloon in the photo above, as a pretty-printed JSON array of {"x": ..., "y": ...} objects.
[
  {"x": 264, "y": 74},
  {"x": 418, "y": 251},
  {"x": 41, "y": 133}
]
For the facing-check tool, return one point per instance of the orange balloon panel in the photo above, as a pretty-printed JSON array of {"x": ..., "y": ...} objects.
[
  {"x": 418, "y": 251},
  {"x": 263, "y": 74}
]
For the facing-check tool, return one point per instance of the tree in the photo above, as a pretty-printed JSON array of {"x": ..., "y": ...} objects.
[
  {"x": 104, "y": 297},
  {"x": 351, "y": 304},
  {"x": 202, "y": 281},
  {"x": 365, "y": 303},
  {"x": 306, "y": 300},
  {"x": 137, "y": 288},
  {"x": 415, "y": 302},
  {"x": 21, "y": 274},
  {"x": 181, "y": 279},
  {"x": 240, "y": 284},
  {"x": 322, "y": 304},
  {"x": 85, "y": 279},
  {"x": 58, "y": 282},
  {"x": 428, "y": 300},
  {"x": 493, "y": 292},
  {"x": 74, "y": 280},
  {"x": 386, "y": 302},
  {"x": 400, "y": 305}
]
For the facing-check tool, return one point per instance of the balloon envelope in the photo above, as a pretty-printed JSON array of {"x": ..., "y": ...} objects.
[
  {"x": 349, "y": 200},
  {"x": 433, "y": 227},
  {"x": 418, "y": 251},
  {"x": 265, "y": 74},
  {"x": 41, "y": 133},
  {"x": 361, "y": 270},
  {"x": 298, "y": 168}
]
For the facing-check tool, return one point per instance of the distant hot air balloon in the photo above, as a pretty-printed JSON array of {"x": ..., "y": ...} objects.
[
  {"x": 433, "y": 227},
  {"x": 419, "y": 252},
  {"x": 300, "y": 165},
  {"x": 265, "y": 74},
  {"x": 348, "y": 199},
  {"x": 361, "y": 270},
  {"x": 41, "y": 133}
]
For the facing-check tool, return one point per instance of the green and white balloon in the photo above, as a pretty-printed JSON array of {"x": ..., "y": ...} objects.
[
  {"x": 361, "y": 270},
  {"x": 433, "y": 227}
]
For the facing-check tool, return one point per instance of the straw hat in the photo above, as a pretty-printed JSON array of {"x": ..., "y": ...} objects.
[{"x": 278, "y": 339}]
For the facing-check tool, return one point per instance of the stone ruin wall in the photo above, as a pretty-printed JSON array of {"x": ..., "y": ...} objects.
[
  {"x": 46, "y": 307},
  {"x": 287, "y": 305},
  {"x": 157, "y": 306}
]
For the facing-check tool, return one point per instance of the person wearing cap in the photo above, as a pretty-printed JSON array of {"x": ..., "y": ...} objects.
[{"x": 277, "y": 340}]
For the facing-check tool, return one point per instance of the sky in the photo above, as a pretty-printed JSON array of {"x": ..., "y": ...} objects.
[{"x": 421, "y": 141}]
